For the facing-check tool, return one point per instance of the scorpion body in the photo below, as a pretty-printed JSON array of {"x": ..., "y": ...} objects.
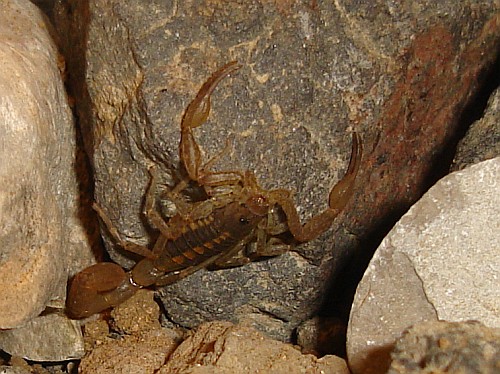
[
  {"x": 201, "y": 243},
  {"x": 212, "y": 232}
]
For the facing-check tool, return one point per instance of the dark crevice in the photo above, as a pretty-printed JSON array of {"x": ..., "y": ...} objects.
[
  {"x": 473, "y": 110},
  {"x": 340, "y": 296}
]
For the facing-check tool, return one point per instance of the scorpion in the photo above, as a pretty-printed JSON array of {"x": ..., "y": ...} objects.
[{"x": 211, "y": 233}]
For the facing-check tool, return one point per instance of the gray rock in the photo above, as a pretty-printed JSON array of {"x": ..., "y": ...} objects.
[
  {"x": 440, "y": 261},
  {"x": 482, "y": 140},
  {"x": 398, "y": 74},
  {"x": 444, "y": 347},
  {"x": 40, "y": 231},
  {"x": 143, "y": 87},
  {"x": 46, "y": 338}
]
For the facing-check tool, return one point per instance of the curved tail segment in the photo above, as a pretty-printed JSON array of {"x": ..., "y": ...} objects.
[{"x": 97, "y": 288}]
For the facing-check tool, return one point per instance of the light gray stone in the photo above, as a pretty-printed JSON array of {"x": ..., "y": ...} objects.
[
  {"x": 46, "y": 338},
  {"x": 42, "y": 240},
  {"x": 440, "y": 262}
]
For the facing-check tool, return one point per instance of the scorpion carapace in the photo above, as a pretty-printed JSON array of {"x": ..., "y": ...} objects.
[{"x": 209, "y": 233}]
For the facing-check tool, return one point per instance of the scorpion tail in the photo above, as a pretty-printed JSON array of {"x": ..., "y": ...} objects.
[{"x": 97, "y": 288}]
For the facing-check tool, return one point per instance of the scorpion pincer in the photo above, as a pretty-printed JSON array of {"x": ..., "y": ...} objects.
[{"x": 209, "y": 233}]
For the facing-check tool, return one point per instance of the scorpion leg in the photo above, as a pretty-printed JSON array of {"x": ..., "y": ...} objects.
[
  {"x": 185, "y": 212},
  {"x": 128, "y": 246},
  {"x": 155, "y": 219},
  {"x": 234, "y": 258},
  {"x": 196, "y": 114},
  {"x": 338, "y": 198},
  {"x": 266, "y": 246}
]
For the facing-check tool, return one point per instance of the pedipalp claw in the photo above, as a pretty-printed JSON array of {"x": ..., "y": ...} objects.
[
  {"x": 198, "y": 110},
  {"x": 196, "y": 114},
  {"x": 344, "y": 189}
]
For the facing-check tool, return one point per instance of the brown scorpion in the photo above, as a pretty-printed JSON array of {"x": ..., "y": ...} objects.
[{"x": 210, "y": 233}]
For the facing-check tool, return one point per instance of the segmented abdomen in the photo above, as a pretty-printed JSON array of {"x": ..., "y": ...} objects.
[{"x": 200, "y": 241}]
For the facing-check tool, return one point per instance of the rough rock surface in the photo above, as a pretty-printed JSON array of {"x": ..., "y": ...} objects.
[
  {"x": 40, "y": 231},
  {"x": 482, "y": 140},
  {"x": 444, "y": 347},
  {"x": 46, "y": 338},
  {"x": 14, "y": 370},
  {"x": 441, "y": 261},
  {"x": 132, "y": 354},
  {"x": 42, "y": 240},
  {"x": 221, "y": 347},
  {"x": 398, "y": 74},
  {"x": 142, "y": 347}
]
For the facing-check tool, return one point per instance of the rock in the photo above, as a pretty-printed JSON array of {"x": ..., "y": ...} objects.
[
  {"x": 42, "y": 240},
  {"x": 132, "y": 354},
  {"x": 45, "y": 5},
  {"x": 143, "y": 346},
  {"x": 482, "y": 140},
  {"x": 440, "y": 261},
  {"x": 444, "y": 347},
  {"x": 397, "y": 75},
  {"x": 216, "y": 347},
  {"x": 137, "y": 314},
  {"x": 13, "y": 370},
  {"x": 46, "y": 338},
  {"x": 322, "y": 336},
  {"x": 18, "y": 366},
  {"x": 221, "y": 347}
]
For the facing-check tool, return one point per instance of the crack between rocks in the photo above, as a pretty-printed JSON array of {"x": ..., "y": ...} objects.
[{"x": 270, "y": 314}]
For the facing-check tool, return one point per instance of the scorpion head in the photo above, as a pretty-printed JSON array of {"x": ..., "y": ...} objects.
[
  {"x": 257, "y": 205},
  {"x": 240, "y": 218}
]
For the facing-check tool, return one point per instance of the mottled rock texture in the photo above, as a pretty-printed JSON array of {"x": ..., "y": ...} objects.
[
  {"x": 482, "y": 140},
  {"x": 220, "y": 347},
  {"x": 440, "y": 262},
  {"x": 444, "y": 347},
  {"x": 42, "y": 241},
  {"x": 47, "y": 338},
  {"x": 143, "y": 346}
]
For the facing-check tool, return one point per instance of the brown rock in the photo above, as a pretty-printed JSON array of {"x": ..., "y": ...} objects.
[
  {"x": 142, "y": 346},
  {"x": 132, "y": 341},
  {"x": 137, "y": 314},
  {"x": 132, "y": 354},
  {"x": 221, "y": 347}
]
